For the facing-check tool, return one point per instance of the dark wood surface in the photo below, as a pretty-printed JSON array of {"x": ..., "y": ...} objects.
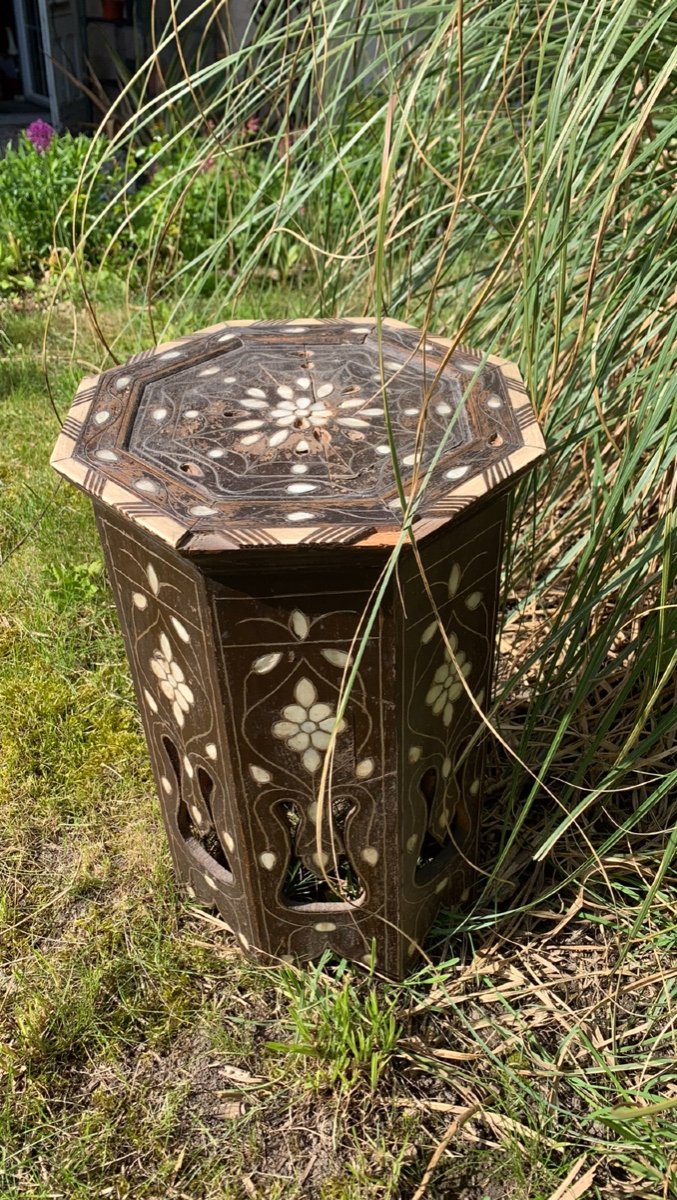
[{"x": 238, "y": 677}]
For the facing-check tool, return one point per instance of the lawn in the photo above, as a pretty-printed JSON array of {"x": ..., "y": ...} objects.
[{"x": 141, "y": 1055}]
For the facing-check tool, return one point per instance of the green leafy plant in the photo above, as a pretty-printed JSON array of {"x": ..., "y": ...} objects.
[
  {"x": 13, "y": 277},
  {"x": 40, "y": 200},
  {"x": 350, "y": 1030},
  {"x": 76, "y": 584}
]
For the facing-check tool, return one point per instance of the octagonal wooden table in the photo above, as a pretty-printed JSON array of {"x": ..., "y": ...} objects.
[{"x": 247, "y": 505}]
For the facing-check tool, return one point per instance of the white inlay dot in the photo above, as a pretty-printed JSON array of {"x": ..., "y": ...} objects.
[
  {"x": 123, "y": 382},
  {"x": 188, "y": 766},
  {"x": 166, "y": 785},
  {"x": 217, "y": 453},
  {"x": 100, "y": 418},
  {"x": 299, "y": 516},
  {"x": 494, "y": 402},
  {"x": 140, "y": 601},
  {"x": 159, "y": 414},
  {"x": 171, "y": 354},
  {"x": 150, "y": 700},
  {"x": 201, "y": 510},
  {"x": 365, "y": 768},
  {"x": 210, "y": 750},
  {"x": 191, "y": 413},
  {"x": 153, "y": 579},
  {"x": 370, "y": 855},
  {"x": 147, "y": 485},
  {"x": 297, "y": 489},
  {"x": 106, "y": 456},
  {"x": 267, "y": 860},
  {"x": 208, "y": 371},
  {"x": 228, "y": 840},
  {"x": 299, "y": 469},
  {"x": 325, "y": 926},
  {"x": 457, "y": 472}
]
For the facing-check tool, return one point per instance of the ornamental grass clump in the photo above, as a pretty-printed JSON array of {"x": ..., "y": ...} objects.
[{"x": 506, "y": 177}]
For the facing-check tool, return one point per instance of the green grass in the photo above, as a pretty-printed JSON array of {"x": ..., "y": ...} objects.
[{"x": 141, "y": 1055}]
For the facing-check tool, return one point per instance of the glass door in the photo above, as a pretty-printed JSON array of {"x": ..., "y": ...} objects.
[{"x": 29, "y": 33}]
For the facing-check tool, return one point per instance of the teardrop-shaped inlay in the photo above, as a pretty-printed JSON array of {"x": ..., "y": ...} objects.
[
  {"x": 300, "y": 624},
  {"x": 267, "y": 662}
]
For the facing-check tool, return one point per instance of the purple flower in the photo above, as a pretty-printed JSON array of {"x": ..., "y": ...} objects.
[{"x": 40, "y": 133}]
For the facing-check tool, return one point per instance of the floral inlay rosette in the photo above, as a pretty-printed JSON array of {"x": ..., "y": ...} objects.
[
  {"x": 307, "y": 725},
  {"x": 300, "y": 411},
  {"x": 446, "y": 686},
  {"x": 172, "y": 680}
]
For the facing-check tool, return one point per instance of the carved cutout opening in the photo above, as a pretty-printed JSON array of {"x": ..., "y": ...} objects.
[
  {"x": 208, "y": 837},
  {"x": 195, "y": 821},
  {"x": 441, "y": 825},
  {"x": 306, "y": 881},
  {"x": 173, "y": 756}
]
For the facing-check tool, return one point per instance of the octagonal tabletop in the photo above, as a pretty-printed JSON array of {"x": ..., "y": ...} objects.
[{"x": 267, "y": 433}]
